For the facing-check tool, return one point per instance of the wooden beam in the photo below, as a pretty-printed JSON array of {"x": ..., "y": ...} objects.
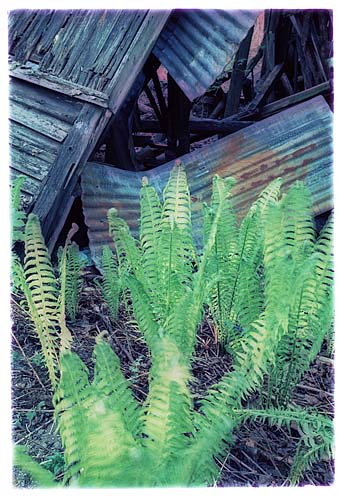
[
  {"x": 153, "y": 103},
  {"x": 161, "y": 99},
  {"x": 286, "y": 102},
  {"x": 136, "y": 56},
  {"x": 263, "y": 88},
  {"x": 62, "y": 177},
  {"x": 204, "y": 125},
  {"x": 33, "y": 75},
  {"x": 178, "y": 134},
  {"x": 238, "y": 76}
]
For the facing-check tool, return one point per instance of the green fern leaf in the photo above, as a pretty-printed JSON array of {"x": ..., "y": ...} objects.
[
  {"x": 41, "y": 476},
  {"x": 110, "y": 286},
  {"x": 42, "y": 294},
  {"x": 112, "y": 386},
  {"x": 72, "y": 398},
  {"x": 17, "y": 215}
]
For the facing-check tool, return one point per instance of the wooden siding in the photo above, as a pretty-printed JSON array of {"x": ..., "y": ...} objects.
[{"x": 40, "y": 120}]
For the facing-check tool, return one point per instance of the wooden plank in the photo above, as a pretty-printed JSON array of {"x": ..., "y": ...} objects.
[
  {"x": 102, "y": 38},
  {"x": 18, "y": 23},
  {"x": 86, "y": 29},
  {"x": 33, "y": 75},
  {"x": 300, "y": 46},
  {"x": 115, "y": 58},
  {"x": 55, "y": 24},
  {"x": 207, "y": 125},
  {"x": 286, "y": 84},
  {"x": 45, "y": 124},
  {"x": 28, "y": 164},
  {"x": 178, "y": 133},
  {"x": 44, "y": 100},
  {"x": 135, "y": 57},
  {"x": 63, "y": 175},
  {"x": 33, "y": 143},
  {"x": 160, "y": 97},
  {"x": 114, "y": 50},
  {"x": 286, "y": 102},
  {"x": 28, "y": 42},
  {"x": 238, "y": 75},
  {"x": 153, "y": 103},
  {"x": 263, "y": 88},
  {"x": 31, "y": 186},
  {"x": 57, "y": 56}
]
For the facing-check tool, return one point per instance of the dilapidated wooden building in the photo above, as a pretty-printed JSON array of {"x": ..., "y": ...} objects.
[{"x": 97, "y": 97}]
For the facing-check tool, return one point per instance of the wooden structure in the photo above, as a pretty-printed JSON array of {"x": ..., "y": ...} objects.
[
  {"x": 132, "y": 82},
  {"x": 70, "y": 72}
]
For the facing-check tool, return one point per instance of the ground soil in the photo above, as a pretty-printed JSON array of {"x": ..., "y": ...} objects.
[{"x": 261, "y": 455}]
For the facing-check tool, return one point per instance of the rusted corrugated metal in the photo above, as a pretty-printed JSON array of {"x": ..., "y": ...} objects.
[
  {"x": 196, "y": 46},
  {"x": 294, "y": 144}
]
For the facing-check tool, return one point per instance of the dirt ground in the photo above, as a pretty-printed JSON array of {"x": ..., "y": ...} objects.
[{"x": 261, "y": 455}]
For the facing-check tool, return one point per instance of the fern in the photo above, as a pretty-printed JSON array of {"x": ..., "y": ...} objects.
[
  {"x": 299, "y": 275},
  {"x": 110, "y": 439},
  {"x": 39, "y": 286},
  {"x": 69, "y": 266},
  {"x": 41, "y": 476},
  {"x": 18, "y": 216},
  {"x": 316, "y": 434},
  {"x": 110, "y": 285},
  {"x": 237, "y": 297},
  {"x": 98, "y": 421}
]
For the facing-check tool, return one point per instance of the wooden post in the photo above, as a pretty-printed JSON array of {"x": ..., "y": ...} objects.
[
  {"x": 63, "y": 175},
  {"x": 238, "y": 76},
  {"x": 179, "y": 107}
]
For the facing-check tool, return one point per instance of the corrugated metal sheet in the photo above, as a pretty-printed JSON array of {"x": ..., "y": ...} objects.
[
  {"x": 196, "y": 46},
  {"x": 294, "y": 144},
  {"x": 40, "y": 120},
  {"x": 86, "y": 47}
]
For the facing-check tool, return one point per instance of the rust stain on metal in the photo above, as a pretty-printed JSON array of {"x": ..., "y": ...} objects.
[{"x": 295, "y": 144}]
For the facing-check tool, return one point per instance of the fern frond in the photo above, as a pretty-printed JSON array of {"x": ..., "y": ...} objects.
[
  {"x": 176, "y": 195},
  {"x": 110, "y": 285},
  {"x": 126, "y": 247},
  {"x": 72, "y": 397},
  {"x": 73, "y": 283},
  {"x": 316, "y": 434},
  {"x": 17, "y": 215},
  {"x": 43, "y": 296},
  {"x": 113, "y": 387},
  {"x": 143, "y": 312},
  {"x": 216, "y": 421},
  {"x": 41, "y": 476},
  {"x": 167, "y": 410},
  {"x": 298, "y": 221},
  {"x": 309, "y": 295},
  {"x": 268, "y": 196},
  {"x": 97, "y": 422},
  {"x": 149, "y": 235},
  {"x": 176, "y": 249}
]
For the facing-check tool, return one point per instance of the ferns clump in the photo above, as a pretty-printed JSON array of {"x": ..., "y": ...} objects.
[
  {"x": 112, "y": 440},
  {"x": 47, "y": 300}
]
